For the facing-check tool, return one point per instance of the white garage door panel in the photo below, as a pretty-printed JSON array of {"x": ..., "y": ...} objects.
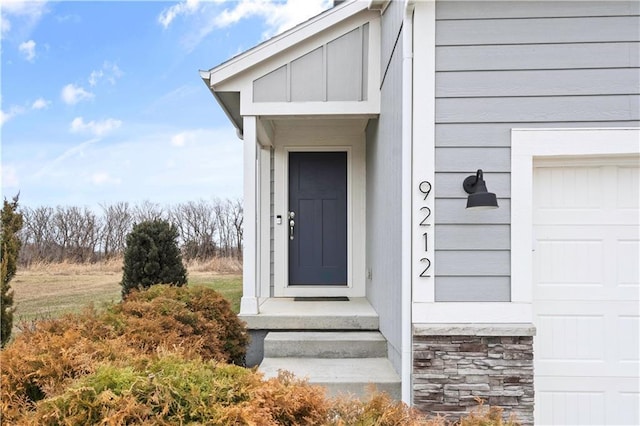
[
  {"x": 584, "y": 344},
  {"x": 575, "y": 401},
  {"x": 586, "y": 291},
  {"x": 587, "y": 263}
]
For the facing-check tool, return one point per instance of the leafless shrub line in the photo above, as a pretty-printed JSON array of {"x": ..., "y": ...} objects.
[{"x": 208, "y": 229}]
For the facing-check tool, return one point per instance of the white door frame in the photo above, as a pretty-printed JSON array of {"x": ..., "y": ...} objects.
[{"x": 281, "y": 240}]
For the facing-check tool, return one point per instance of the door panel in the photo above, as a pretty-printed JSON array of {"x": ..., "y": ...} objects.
[
  {"x": 586, "y": 294},
  {"x": 318, "y": 199}
]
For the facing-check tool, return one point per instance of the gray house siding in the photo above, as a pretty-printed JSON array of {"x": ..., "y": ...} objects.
[
  {"x": 384, "y": 146},
  {"x": 504, "y": 65}
]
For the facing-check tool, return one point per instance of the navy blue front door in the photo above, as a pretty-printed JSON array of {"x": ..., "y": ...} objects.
[{"x": 318, "y": 201}]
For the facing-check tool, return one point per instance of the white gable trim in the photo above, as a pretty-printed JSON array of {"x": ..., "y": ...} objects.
[{"x": 282, "y": 42}]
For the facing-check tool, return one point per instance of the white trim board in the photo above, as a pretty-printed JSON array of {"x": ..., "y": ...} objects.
[{"x": 530, "y": 144}]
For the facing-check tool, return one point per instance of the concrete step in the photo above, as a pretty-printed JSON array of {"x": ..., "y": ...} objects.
[
  {"x": 288, "y": 314},
  {"x": 325, "y": 344},
  {"x": 340, "y": 376}
]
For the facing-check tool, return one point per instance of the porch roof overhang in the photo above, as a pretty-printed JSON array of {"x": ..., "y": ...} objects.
[{"x": 244, "y": 84}]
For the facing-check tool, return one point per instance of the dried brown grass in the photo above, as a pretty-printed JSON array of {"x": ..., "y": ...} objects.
[
  {"x": 47, "y": 290},
  {"x": 113, "y": 265},
  {"x": 222, "y": 265}
]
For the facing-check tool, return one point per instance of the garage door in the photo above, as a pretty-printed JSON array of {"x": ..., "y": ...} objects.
[{"x": 586, "y": 286}]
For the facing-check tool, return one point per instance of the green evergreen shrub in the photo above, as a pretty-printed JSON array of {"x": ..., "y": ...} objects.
[
  {"x": 152, "y": 257},
  {"x": 10, "y": 247}
]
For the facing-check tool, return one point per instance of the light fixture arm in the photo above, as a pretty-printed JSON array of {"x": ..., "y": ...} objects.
[{"x": 473, "y": 184}]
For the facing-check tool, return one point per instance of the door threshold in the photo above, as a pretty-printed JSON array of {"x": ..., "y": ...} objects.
[{"x": 321, "y": 299}]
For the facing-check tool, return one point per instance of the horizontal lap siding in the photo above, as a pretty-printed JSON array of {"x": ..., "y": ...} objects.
[{"x": 504, "y": 65}]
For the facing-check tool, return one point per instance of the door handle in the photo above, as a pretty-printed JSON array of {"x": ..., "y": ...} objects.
[{"x": 292, "y": 224}]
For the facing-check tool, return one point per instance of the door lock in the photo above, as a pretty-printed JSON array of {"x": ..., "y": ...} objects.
[{"x": 292, "y": 225}]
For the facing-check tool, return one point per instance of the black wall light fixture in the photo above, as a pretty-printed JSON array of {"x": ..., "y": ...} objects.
[{"x": 479, "y": 198}]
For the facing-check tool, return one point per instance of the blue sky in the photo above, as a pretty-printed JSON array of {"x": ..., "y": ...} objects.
[{"x": 102, "y": 101}]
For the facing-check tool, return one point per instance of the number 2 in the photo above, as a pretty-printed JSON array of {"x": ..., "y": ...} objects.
[
  {"x": 423, "y": 274},
  {"x": 427, "y": 215}
]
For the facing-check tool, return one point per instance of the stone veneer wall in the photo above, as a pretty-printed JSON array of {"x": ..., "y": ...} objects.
[{"x": 452, "y": 365}]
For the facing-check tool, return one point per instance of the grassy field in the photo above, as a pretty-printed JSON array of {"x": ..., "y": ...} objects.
[{"x": 47, "y": 291}]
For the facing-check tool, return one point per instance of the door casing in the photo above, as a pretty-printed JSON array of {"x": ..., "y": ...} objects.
[{"x": 355, "y": 285}]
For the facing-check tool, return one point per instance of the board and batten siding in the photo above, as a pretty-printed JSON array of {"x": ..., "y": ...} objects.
[
  {"x": 335, "y": 71},
  {"x": 384, "y": 172},
  {"x": 503, "y": 65}
]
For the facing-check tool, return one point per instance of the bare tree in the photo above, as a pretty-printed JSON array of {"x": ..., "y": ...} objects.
[
  {"x": 38, "y": 235},
  {"x": 117, "y": 223},
  {"x": 237, "y": 218},
  {"x": 221, "y": 210},
  {"x": 148, "y": 211},
  {"x": 206, "y": 228},
  {"x": 196, "y": 223}
]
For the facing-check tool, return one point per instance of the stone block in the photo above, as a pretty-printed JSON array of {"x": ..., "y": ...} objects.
[
  {"x": 476, "y": 379},
  {"x": 428, "y": 387},
  {"x": 468, "y": 387},
  {"x": 503, "y": 400},
  {"x": 473, "y": 347}
]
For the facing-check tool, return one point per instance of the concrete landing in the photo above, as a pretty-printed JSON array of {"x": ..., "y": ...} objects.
[{"x": 287, "y": 314}]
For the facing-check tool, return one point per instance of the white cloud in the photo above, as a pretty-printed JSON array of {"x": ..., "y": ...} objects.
[
  {"x": 28, "y": 49},
  {"x": 40, "y": 103},
  {"x": 5, "y": 24},
  {"x": 109, "y": 72},
  {"x": 72, "y": 94},
  {"x": 8, "y": 115},
  {"x": 132, "y": 166},
  {"x": 278, "y": 16},
  {"x": 95, "y": 76},
  {"x": 104, "y": 178},
  {"x": 179, "y": 140},
  {"x": 97, "y": 128},
  {"x": 186, "y": 7},
  {"x": 75, "y": 151},
  {"x": 9, "y": 176},
  {"x": 16, "y": 110},
  {"x": 27, "y": 12}
]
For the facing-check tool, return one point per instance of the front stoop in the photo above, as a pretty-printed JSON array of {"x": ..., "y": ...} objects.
[{"x": 341, "y": 361}]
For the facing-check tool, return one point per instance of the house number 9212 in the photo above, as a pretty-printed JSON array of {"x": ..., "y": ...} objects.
[{"x": 424, "y": 214}]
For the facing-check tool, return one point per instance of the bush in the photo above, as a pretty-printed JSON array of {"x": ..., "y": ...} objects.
[
  {"x": 170, "y": 391},
  {"x": 44, "y": 360},
  {"x": 198, "y": 320},
  {"x": 10, "y": 247},
  {"x": 152, "y": 257},
  {"x": 157, "y": 358}
]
